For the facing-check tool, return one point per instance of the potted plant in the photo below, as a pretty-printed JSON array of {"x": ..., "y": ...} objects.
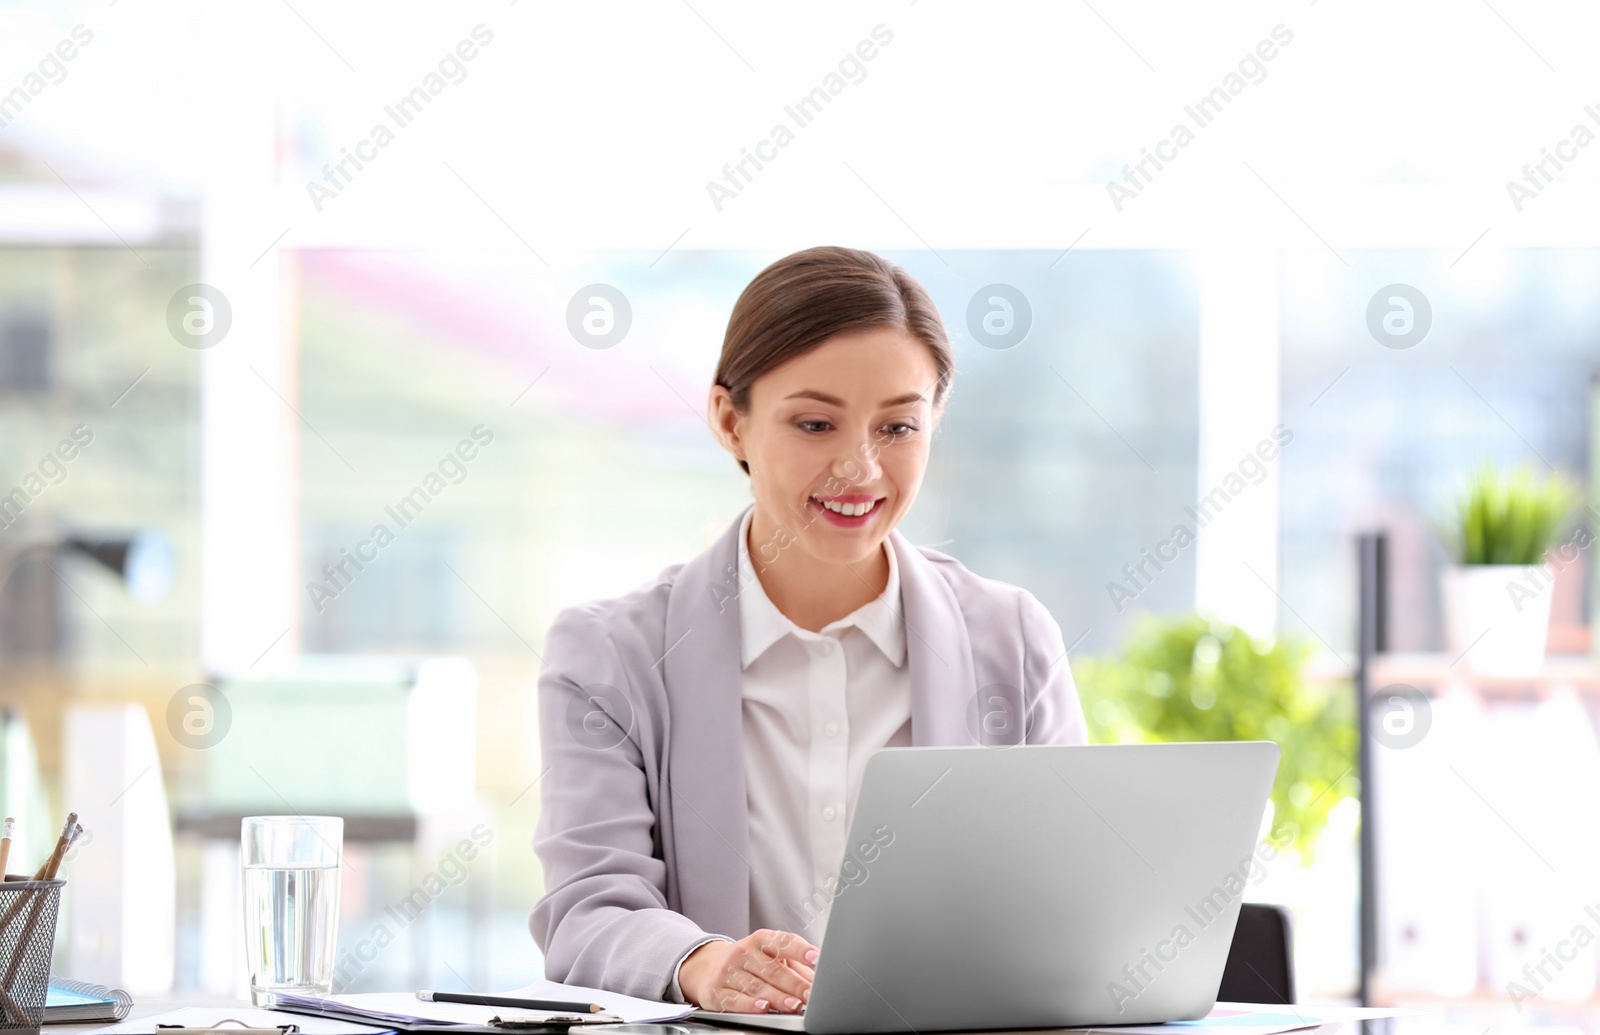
[
  {"x": 1496, "y": 594},
  {"x": 1189, "y": 677}
]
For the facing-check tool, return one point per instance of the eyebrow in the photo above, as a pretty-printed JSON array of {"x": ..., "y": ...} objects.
[{"x": 833, "y": 400}]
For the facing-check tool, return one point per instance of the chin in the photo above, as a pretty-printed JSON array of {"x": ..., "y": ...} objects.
[{"x": 836, "y": 550}]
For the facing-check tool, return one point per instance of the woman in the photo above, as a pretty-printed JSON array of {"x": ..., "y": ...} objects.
[{"x": 704, "y": 736}]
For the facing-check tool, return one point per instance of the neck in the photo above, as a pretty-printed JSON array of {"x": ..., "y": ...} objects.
[{"x": 811, "y": 592}]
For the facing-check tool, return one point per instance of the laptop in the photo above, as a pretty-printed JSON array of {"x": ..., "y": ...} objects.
[{"x": 1036, "y": 886}]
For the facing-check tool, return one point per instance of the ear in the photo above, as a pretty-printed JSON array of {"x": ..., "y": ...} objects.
[{"x": 725, "y": 421}]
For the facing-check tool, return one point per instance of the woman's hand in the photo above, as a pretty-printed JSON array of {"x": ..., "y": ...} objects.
[{"x": 764, "y": 970}]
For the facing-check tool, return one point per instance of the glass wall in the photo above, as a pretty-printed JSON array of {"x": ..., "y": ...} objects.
[
  {"x": 465, "y": 466},
  {"x": 1387, "y": 437}
]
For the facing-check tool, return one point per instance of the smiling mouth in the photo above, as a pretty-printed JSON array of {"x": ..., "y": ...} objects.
[{"x": 848, "y": 509}]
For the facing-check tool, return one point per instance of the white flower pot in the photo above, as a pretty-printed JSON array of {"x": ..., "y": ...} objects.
[{"x": 1497, "y": 617}]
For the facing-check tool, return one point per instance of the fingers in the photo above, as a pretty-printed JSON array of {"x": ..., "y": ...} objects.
[
  {"x": 727, "y": 1000},
  {"x": 766, "y": 970},
  {"x": 804, "y": 971},
  {"x": 792, "y": 951},
  {"x": 785, "y": 945},
  {"x": 784, "y": 987},
  {"x": 740, "y": 991}
]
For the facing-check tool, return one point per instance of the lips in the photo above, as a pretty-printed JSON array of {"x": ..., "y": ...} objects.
[{"x": 847, "y": 515}]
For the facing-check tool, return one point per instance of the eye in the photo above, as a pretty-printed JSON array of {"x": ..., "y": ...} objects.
[{"x": 896, "y": 430}]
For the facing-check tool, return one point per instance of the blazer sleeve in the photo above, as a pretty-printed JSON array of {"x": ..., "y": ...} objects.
[
  {"x": 1055, "y": 715},
  {"x": 603, "y": 921}
]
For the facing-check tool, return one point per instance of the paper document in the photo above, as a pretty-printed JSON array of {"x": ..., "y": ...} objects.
[
  {"x": 208, "y": 1016},
  {"x": 404, "y": 1009},
  {"x": 629, "y": 1008}
]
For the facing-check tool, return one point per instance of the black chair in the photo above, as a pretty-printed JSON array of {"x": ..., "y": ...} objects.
[{"x": 1260, "y": 967}]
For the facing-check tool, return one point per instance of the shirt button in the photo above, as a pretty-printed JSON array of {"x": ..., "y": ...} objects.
[
  {"x": 828, "y": 812},
  {"x": 831, "y": 729}
]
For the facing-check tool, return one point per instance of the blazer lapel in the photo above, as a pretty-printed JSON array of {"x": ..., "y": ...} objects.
[
  {"x": 703, "y": 774},
  {"x": 938, "y": 652}
]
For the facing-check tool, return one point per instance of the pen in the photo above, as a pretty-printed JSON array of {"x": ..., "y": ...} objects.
[{"x": 501, "y": 1000}]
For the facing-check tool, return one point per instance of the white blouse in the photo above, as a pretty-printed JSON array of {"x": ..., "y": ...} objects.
[{"x": 816, "y": 707}]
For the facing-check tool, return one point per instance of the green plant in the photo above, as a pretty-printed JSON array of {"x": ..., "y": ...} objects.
[
  {"x": 1513, "y": 519},
  {"x": 1189, "y": 678}
]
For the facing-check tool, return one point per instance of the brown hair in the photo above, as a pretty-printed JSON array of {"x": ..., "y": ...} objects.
[{"x": 802, "y": 300}]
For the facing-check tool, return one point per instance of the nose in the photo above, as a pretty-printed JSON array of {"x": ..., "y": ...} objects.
[{"x": 858, "y": 465}]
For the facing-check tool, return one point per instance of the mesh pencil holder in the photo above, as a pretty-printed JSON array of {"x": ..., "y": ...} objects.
[{"x": 28, "y": 910}]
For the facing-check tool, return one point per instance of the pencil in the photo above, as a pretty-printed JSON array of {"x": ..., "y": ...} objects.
[
  {"x": 47, "y": 869},
  {"x": 55, "y": 862},
  {"x": 69, "y": 833},
  {"x": 5, "y": 844},
  {"x": 560, "y": 1005}
]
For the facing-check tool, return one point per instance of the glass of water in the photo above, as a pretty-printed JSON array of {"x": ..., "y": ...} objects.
[{"x": 291, "y": 903}]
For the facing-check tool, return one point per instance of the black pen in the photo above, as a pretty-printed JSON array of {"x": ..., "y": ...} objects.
[{"x": 501, "y": 1000}]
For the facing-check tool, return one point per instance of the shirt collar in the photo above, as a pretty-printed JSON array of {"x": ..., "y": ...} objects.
[{"x": 761, "y": 624}]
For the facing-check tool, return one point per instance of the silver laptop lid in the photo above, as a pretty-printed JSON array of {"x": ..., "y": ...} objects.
[{"x": 1040, "y": 886}]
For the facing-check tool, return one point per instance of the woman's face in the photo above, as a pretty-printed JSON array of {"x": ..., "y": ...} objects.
[{"x": 844, "y": 427}]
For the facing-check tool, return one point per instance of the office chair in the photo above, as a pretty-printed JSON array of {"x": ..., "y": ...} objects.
[{"x": 1260, "y": 967}]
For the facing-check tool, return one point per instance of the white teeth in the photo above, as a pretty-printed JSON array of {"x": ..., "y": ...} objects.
[{"x": 848, "y": 509}]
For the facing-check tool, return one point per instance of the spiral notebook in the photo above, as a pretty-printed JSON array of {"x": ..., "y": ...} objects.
[{"x": 69, "y": 1001}]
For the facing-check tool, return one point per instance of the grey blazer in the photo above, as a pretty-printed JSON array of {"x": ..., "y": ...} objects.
[{"x": 643, "y": 823}]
